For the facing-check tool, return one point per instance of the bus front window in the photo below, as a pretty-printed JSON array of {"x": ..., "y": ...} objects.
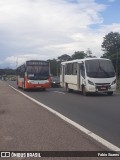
[
  {"x": 99, "y": 68},
  {"x": 38, "y": 72}
]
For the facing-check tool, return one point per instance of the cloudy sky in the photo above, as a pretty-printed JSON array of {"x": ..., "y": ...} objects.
[{"x": 46, "y": 29}]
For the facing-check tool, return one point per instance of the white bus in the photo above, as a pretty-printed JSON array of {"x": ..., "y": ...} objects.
[{"x": 88, "y": 75}]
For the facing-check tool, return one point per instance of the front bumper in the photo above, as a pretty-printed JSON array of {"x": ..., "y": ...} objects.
[{"x": 101, "y": 88}]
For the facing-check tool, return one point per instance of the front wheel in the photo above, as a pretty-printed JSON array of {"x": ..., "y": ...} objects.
[
  {"x": 84, "y": 91},
  {"x": 109, "y": 93},
  {"x": 67, "y": 88},
  {"x": 23, "y": 86},
  {"x": 19, "y": 87}
]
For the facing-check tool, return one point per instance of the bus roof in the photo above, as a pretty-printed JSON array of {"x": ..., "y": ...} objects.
[{"x": 82, "y": 60}]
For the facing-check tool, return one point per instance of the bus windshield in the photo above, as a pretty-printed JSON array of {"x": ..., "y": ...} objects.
[
  {"x": 98, "y": 68},
  {"x": 39, "y": 72}
]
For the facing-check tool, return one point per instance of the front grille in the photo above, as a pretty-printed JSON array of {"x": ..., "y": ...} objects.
[
  {"x": 102, "y": 84},
  {"x": 102, "y": 88}
]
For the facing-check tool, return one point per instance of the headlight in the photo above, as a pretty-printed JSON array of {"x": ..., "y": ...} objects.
[
  {"x": 113, "y": 82},
  {"x": 91, "y": 83},
  {"x": 53, "y": 82},
  {"x": 28, "y": 81}
]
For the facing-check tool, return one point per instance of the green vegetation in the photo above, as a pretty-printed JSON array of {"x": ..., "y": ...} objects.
[
  {"x": 111, "y": 48},
  {"x": 7, "y": 71},
  {"x": 7, "y": 74},
  {"x": 55, "y": 63},
  {"x": 118, "y": 84}
]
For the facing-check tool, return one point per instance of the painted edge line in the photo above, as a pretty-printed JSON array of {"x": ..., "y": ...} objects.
[{"x": 81, "y": 128}]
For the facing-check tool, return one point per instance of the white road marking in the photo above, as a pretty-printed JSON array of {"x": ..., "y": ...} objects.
[
  {"x": 59, "y": 92},
  {"x": 81, "y": 128}
]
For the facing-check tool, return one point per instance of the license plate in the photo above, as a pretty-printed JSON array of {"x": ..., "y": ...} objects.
[{"x": 103, "y": 88}]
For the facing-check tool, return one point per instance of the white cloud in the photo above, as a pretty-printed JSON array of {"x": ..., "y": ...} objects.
[
  {"x": 18, "y": 60},
  {"x": 48, "y": 28},
  {"x": 111, "y": 0}
]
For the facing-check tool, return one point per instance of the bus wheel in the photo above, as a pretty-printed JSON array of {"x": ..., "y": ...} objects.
[
  {"x": 109, "y": 93},
  {"x": 84, "y": 91},
  {"x": 23, "y": 87},
  {"x": 66, "y": 87}
]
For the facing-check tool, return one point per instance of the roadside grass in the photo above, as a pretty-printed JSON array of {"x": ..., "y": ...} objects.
[
  {"x": 10, "y": 77},
  {"x": 118, "y": 84}
]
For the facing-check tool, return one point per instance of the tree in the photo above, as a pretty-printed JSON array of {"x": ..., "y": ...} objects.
[
  {"x": 7, "y": 71},
  {"x": 89, "y": 53},
  {"x": 53, "y": 66},
  {"x": 78, "y": 55},
  {"x": 64, "y": 57},
  {"x": 111, "y": 48}
]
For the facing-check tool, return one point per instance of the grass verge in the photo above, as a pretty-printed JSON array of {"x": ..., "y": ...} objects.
[{"x": 118, "y": 84}]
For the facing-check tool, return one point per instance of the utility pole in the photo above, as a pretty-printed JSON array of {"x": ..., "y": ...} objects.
[
  {"x": 117, "y": 53},
  {"x": 17, "y": 62}
]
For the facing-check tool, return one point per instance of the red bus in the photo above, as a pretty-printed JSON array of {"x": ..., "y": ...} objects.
[{"x": 34, "y": 74}]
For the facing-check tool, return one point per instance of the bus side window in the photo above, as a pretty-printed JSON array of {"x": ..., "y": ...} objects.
[
  {"x": 82, "y": 68},
  {"x": 75, "y": 68},
  {"x": 21, "y": 71},
  {"x": 69, "y": 69}
]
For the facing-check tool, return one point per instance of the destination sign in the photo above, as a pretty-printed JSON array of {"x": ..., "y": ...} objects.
[{"x": 36, "y": 63}]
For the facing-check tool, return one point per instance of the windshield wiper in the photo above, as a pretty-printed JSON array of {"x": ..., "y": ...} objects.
[
  {"x": 105, "y": 72},
  {"x": 102, "y": 69},
  {"x": 97, "y": 71}
]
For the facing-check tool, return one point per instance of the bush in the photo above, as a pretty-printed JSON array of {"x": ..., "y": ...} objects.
[{"x": 118, "y": 84}]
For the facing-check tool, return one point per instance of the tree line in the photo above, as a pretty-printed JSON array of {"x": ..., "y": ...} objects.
[
  {"x": 110, "y": 47},
  {"x": 55, "y": 63},
  {"x": 7, "y": 71}
]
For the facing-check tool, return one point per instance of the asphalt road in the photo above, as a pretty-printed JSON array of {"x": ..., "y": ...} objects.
[{"x": 98, "y": 113}]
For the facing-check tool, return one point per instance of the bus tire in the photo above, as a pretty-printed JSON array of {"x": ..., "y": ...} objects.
[
  {"x": 110, "y": 93},
  {"x": 84, "y": 91},
  {"x": 24, "y": 89},
  {"x": 70, "y": 90},
  {"x": 66, "y": 87},
  {"x": 23, "y": 86}
]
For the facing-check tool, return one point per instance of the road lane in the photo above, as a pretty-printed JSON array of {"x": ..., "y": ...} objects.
[{"x": 98, "y": 113}]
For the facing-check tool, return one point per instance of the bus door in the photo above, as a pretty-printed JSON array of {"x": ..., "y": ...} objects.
[
  {"x": 25, "y": 80},
  {"x": 78, "y": 76}
]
